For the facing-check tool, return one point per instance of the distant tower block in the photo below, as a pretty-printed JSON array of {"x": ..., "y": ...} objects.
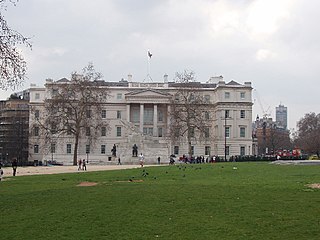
[{"x": 282, "y": 116}]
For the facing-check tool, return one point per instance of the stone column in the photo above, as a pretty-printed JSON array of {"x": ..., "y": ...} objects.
[
  {"x": 128, "y": 112},
  {"x": 155, "y": 120},
  {"x": 168, "y": 119},
  {"x": 141, "y": 116}
]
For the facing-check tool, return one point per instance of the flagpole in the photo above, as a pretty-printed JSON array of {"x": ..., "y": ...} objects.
[{"x": 149, "y": 55}]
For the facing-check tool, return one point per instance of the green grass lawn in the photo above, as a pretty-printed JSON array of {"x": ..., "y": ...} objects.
[{"x": 254, "y": 201}]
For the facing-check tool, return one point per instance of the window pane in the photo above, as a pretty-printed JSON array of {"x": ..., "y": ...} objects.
[
  {"x": 36, "y": 148},
  {"x": 176, "y": 150},
  {"x": 118, "y": 131},
  {"x": 207, "y": 150},
  {"x": 148, "y": 115},
  {"x": 53, "y": 148},
  {"x": 159, "y": 132},
  {"x": 242, "y": 151},
  {"x": 242, "y": 113},
  {"x": 103, "y": 113},
  {"x": 242, "y": 132},
  {"x": 103, "y": 149},
  {"x": 87, "y": 148},
  {"x": 119, "y": 114},
  {"x": 69, "y": 148},
  {"x": 227, "y": 129},
  {"x": 103, "y": 131}
]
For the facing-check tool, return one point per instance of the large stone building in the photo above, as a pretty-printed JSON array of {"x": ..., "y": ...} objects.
[{"x": 139, "y": 113}]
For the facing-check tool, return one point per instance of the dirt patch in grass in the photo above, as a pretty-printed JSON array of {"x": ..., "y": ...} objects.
[
  {"x": 137, "y": 180},
  {"x": 87, "y": 184},
  {"x": 314, "y": 185}
]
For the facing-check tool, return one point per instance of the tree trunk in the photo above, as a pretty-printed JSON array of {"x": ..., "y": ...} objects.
[{"x": 75, "y": 153}]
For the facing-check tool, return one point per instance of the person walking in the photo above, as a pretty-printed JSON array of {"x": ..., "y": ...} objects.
[
  {"x": 84, "y": 165},
  {"x": 119, "y": 161},
  {"x": 79, "y": 164},
  {"x": 159, "y": 160},
  {"x": 14, "y": 166},
  {"x": 141, "y": 159}
]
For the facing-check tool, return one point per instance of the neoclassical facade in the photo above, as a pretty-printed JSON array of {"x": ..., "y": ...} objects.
[{"x": 139, "y": 113}]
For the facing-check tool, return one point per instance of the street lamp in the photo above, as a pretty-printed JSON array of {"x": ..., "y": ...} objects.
[{"x": 225, "y": 135}]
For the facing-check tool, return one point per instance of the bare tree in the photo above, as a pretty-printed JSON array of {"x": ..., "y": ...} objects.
[
  {"x": 190, "y": 112},
  {"x": 74, "y": 108},
  {"x": 12, "y": 65},
  {"x": 308, "y": 134}
]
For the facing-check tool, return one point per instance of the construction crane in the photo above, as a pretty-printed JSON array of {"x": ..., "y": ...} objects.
[{"x": 265, "y": 113}]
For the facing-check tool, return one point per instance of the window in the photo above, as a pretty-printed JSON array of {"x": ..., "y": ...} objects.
[
  {"x": 242, "y": 95},
  {"x": 53, "y": 148},
  {"x": 53, "y": 128},
  {"x": 207, "y": 150},
  {"x": 87, "y": 148},
  {"x": 103, "y": 131},
  {"x": 36, "y": 114},
  {"x": 227, "y": 132},
  {"x": 242, "y": 114},
  {"x": 160, "y": 116},
  {"x": 227, "y": 149},
  {"x": 176, "y": 150},
  {"x": 118, "y": 114},
  {"x": 36, "y": 131},
  {"x": 242, "y": 151},
  {"x": 227, "y": 113},
  {"x": 148, "y": 116},
  {"x": 206, "y": 132},
  {"x": 103, "y": 113},
  {"x": 135, "y": 116},
  {"x": 206, "y": 115},
  {"x": 118, "y": 131},
  {"x": 36, "y": 148},
  {"x": 242, "y": 132},
  {"x": 148, "y": 131},
  {"x": 54, "y": 92},
  {"x": 103, "y": 149},
  {"x": 159, "y": 132},
  {"x": 191, "y": 98},
  {"x": 68, "y": 148},
  {"x": 227, "y": 95},
  {"x": 88, "y": 113},
  {"x": 192, "y": 150},
  {"x": 87, "y": 131},
  {"x": 119, "y": 96},
  {"x": 191, "y": 132},
  {"x": 207, "y": 98},
  {"x": 37, "y": 96}
]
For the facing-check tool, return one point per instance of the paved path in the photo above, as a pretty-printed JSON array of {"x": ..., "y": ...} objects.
[
  {"x": 21, "y": 171},
  {"x": 297, "y": 162}
]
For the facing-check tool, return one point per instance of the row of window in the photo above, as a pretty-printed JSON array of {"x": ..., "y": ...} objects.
[
  {"x": 68, "y": 148},
  {"x": 149, "y": 131},
  {"x": 207, "y": 150},
  {"x": 242, "y": 114},
  {"x": 227, "y": 95},
  {"x": 242, "y": 132}
]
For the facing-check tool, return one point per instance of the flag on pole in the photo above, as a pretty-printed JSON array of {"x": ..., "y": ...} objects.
[{"x": 149, "y": 54}]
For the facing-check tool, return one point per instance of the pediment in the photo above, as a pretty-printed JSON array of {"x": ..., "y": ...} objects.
[{"x": 148, "y": 93}]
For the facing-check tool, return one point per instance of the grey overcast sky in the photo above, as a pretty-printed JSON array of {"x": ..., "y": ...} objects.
[{"x": 272, "y": 43}]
